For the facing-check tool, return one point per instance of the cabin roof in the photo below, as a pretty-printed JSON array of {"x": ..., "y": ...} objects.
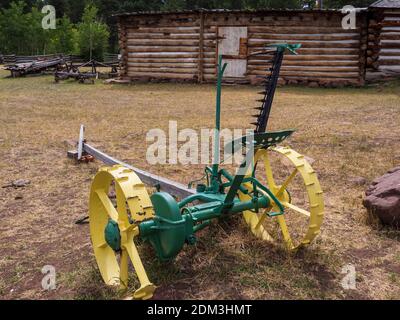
[
  {"x": 137, "y": 13},
  {"x": 386, "y": 4}
]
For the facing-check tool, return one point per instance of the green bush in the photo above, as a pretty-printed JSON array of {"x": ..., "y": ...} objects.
[
  {"x": 64, "y": 38},
  {"x": 92, "y": 35}
]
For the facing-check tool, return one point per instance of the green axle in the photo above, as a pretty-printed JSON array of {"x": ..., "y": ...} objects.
[{"x": 172, "y": 227}]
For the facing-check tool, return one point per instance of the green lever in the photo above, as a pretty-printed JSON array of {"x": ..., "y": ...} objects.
[
  {"x": 221, "y": 70},
  {"x": 286, "y": 46}
]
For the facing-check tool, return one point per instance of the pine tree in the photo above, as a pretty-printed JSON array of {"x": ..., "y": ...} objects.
[{"x": 92, "y": 34}]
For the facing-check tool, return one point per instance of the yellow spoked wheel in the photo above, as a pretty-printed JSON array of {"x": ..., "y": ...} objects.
[
  {"x": 295, "y": 184},
  {"x": 118, "y": 203}
]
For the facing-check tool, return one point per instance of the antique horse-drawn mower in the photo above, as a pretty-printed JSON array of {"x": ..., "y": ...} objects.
[{"x": 283, "y": 204}]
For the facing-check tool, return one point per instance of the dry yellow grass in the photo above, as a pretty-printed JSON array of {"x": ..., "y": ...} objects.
[{"x": 349, "y": 132}]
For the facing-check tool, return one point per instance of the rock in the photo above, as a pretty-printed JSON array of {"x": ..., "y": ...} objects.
[
  {"x": 359, "y": 181},
  {"x": 19, "y": 197},
  {"x": 383, "y": 197},
  {"x": 313, "y": 84},
  {"x": 20, "y": 183}
]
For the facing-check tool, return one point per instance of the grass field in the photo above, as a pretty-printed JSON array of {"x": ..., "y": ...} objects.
[{"x": 350, "y": 132}]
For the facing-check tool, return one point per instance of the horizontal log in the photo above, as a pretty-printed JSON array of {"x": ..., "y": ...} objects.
[
  {"x": 169, "y": 70},
  {"x": 161, "y": 36},
  {"x": 390, "y": 36},
  {"x": 390, "y": 29},
  {"x": 389, "y": 52},
  {"x": 166, "y": 49},
  {"x": 209, "y": 36},
  {"x": 392, "y": 12},
  {"x": 323, "y": 74},
  {"x": 163, "y": 60},
  {"x": 391, "y": 17},
  {"x": 169, "y": 42},
  {"x": 210, "y": 69},
  {"x": 390, "y": 23},
  {"x": 210, "y": 77},
  {"x": 162, "y": 70},
  {"x": 170, "y": 19},
  {"x": 312, "y": 74},
  {"x": 161, "y": 75},
  {"x": 167, "y": 30},
  {"x": 390, "y": 61},
  {"x": 169, "y": 60},
  {"x": 308, "y": 68},
  {"x": 302, "y": 37},
  {"x": 145, "y": 49},
  {"x": 309, "y": 63},
  {"x": 141, "y": 29},
  {"x": 162, "y": 65},
  {"x": 163, "y": 42},
  {"x": 388, "y": 46},
  {"x": 323, "y": 79},
  {"x": 279, "y": 21},
  {"x": 318, "y": 51},
  {"x": 209, "y": 65},
  {"x": 310, "y": 57},
  {"x": 299, "y": 29},
  {"x": 308, "y": 44},
  {"x": 157, "y": 55},
  {"x": 134, "y": 63}
]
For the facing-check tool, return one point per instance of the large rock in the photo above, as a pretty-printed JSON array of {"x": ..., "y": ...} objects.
[{"x": 383, "y": 197}]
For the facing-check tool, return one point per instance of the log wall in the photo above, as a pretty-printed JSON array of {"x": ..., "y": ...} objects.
[
  {"x": 388, "y": 42},
  {"x": 184, "y": 46}
]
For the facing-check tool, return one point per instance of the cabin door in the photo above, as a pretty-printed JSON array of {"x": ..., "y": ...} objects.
[{"x": 232, "y": 45}]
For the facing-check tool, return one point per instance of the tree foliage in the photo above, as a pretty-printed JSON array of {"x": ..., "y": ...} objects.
[
  {"x": 92, "y": 34},
  {"x": 14, "y": 28},
  {"x": 63, "y": 39}
]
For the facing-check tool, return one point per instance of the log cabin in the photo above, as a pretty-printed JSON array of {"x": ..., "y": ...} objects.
[{"x": 184, "y": 45}]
